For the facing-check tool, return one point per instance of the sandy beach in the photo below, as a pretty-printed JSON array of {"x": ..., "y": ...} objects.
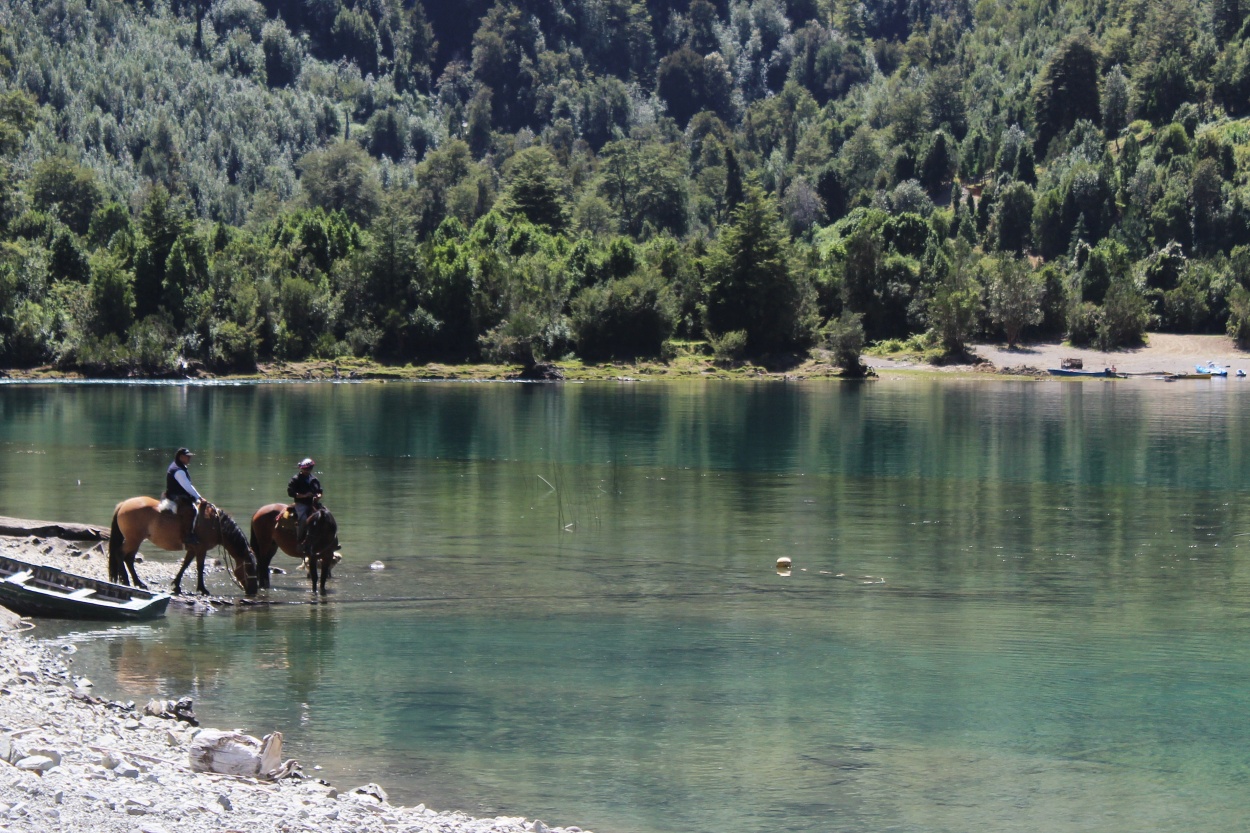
[{"x": 1163, "y": 352}]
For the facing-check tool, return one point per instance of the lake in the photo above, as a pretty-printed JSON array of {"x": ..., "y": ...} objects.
[{"x": 1013, "y": 605}]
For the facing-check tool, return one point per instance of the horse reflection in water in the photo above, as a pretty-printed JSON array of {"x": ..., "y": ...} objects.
[
  {"x": 273, "y": 529},
  {"x": 139, "y": 518}
]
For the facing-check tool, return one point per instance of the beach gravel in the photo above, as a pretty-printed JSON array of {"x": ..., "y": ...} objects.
[{"x": 71, "y": 761}]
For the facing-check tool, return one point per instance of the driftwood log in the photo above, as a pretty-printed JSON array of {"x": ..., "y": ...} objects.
[
  {"x": 234, "y": 753},
  {"x": 19, "y": 528}
]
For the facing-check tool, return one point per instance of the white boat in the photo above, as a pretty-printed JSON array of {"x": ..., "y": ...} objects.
[{"x": 1214, "y": 368}]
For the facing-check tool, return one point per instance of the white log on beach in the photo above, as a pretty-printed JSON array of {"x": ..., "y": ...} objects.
[{"x": 234, "y": 753}]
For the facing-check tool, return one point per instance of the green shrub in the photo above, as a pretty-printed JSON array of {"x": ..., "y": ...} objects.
[
  {"x": 1084, "y": 322},
  {"x": 1124, "y": 316},
  {"x": 152, "y": 342},
  {"x": 527, "y": 336},
  {"x": 844, "y": 338},
  {"x": 233, "y": 348},
  {"x": 624, "y": 319},
  {"x": 728, "y": 347},
  {"x": 1239, "y": 316}
]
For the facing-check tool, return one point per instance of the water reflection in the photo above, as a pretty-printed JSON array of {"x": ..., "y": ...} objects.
[{"x": 581, "y": 617}]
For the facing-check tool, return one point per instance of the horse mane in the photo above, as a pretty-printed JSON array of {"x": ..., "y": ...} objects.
[{"x": 232, "y": 537}]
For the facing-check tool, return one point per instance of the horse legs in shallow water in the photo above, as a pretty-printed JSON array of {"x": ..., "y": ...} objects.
[
  {"x": 310, "y": 558},
  {"x": 198, "y": 554},
  {"x": 320, "y": 541},
  {"x": 264, "y": 558}
]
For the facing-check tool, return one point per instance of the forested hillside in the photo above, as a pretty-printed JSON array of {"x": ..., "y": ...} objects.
[{"x": 525, "y": 180}]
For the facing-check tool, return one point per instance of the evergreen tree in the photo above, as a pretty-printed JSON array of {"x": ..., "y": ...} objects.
[
  {"x": 1114, "y": 105},
  {"x": 536, "y": 189},
  {"x": 1227, "y": 17},
  {"x": 733, "y": 181},
  {"x": 1066, "y": 90},
  {"x": 161, "y": 223},
  {"x": 1014, "y": 219},
  {"x": 752, "y": 286}
]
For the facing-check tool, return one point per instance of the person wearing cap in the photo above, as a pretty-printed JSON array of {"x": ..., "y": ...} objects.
[
  {"x": 178, "y": 489},
  {"x": 305, "y": 489}
]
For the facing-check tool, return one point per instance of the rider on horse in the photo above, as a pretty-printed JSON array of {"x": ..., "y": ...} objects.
[
  {"x": 305, "y": 489},
  {"x": 178, "y": 489}
]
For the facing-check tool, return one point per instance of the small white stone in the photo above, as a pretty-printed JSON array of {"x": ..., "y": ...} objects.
[
  {"x": 47, "y": 753},
  {"x": 36, "y": 763}
]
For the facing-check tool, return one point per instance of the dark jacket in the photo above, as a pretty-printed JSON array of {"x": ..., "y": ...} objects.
[
  {"x": 173, "y": 489},
  {"x": 303, "y": 483}
]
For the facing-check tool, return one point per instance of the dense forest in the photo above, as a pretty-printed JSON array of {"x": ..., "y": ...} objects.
[{"x": 232, "y": 181}]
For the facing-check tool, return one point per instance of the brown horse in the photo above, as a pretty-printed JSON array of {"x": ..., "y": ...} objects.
[
  {"x": 138, "y": 518},
  {"x": 273, "y": 530}
]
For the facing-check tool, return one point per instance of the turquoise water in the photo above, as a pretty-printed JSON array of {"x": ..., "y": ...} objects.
[{"x": 1014, "y": 605}]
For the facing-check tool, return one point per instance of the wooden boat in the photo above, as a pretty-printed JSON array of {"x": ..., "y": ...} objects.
[
  {"x": 1172, "y": 377},
  {"x": 1108, "y": 373},
  {"x": 35, "y": 590}
]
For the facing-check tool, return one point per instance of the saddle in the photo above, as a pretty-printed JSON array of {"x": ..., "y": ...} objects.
[{"x": 286, "y": 520}]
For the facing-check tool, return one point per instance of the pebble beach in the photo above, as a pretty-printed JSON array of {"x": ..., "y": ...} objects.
[{"x": 71, "y": 760}]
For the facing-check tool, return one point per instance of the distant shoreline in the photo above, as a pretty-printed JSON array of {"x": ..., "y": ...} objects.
[{"x": 1162, "y": 352}]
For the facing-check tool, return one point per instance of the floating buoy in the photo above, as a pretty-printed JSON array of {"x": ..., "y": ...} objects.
[
  {"x": 783, "y": 563},
  {"x": 377, "y": 565}
]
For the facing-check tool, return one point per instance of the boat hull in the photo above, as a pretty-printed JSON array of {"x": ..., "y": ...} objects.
[
  {"x": 36, "y": 590},
  {"x": 1099, "y": 374}
]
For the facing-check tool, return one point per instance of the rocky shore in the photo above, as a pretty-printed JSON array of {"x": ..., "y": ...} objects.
[{"x": 72, "y": 761}]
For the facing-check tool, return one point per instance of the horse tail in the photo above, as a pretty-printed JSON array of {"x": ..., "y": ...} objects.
[{"x": 117, "y": 547}]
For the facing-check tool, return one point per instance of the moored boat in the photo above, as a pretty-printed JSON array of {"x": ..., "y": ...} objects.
[
  {"x": 1212, "y": 369},
  {"x": 1106, "y": 373},
  {"x": 36, "y": 590}
]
